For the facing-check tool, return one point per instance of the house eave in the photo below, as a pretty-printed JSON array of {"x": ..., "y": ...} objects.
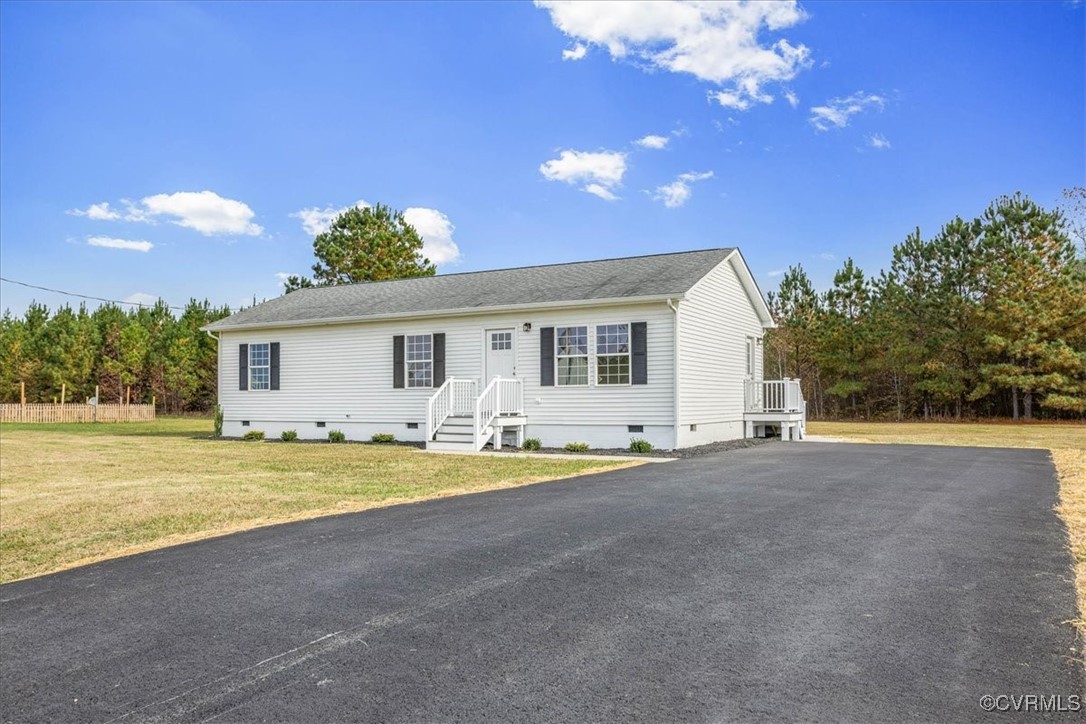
[
  {"x": 431, "y": 314},
  {"x": 750, "y": 284}
]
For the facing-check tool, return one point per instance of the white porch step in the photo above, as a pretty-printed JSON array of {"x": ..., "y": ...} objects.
[
  {"x": 444, "y": 435},
  {"x": 451, "y": 446}
]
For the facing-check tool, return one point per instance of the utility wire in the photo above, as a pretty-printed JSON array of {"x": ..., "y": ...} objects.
[{"x": 83, "y": 296}]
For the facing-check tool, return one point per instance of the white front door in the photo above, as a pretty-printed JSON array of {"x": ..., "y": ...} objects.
[{"x": 501, "y": 357}]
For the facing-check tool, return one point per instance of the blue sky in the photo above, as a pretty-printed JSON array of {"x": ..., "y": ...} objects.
[{"x": 190, "y": 150}]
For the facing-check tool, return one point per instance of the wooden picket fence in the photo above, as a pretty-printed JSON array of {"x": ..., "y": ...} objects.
[{"x": 45, "y": 412}]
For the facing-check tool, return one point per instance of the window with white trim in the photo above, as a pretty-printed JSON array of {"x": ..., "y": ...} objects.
[
  {"x": 754, "y": 347},
  {"x": 419, "y": 359},
  {"x": 571, "y": 355},
  {"x": 260, "y": 366},
  {"x": 613, "y": 354},
  {"x": 501, "y": 340}
]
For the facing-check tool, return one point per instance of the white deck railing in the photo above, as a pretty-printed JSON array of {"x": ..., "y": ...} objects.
[
  {"x": 510, "y": 396},
  {"x": 455, "y": 397},
  {"x": 773, "y": 396}
]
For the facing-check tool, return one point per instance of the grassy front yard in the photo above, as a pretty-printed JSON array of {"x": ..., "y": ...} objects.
[
  {"x": 1067, "y": 442},
  {"x": 74, "y": 494}
]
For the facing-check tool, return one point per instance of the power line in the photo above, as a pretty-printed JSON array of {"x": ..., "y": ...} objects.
[{"x": 83, "y": 296}]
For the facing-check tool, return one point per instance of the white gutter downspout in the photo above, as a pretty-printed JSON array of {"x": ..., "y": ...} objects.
[
  {"x": 674, "y": 307},
  {"x": 218, "y": 366}
]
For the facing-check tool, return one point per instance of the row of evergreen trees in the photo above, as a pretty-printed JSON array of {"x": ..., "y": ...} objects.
[
  {"x": 987, "y": 318},
  {"x": 150, "y": 350}
]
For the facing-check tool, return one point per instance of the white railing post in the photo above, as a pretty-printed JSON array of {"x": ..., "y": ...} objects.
[{"x": 430, "y": 417}]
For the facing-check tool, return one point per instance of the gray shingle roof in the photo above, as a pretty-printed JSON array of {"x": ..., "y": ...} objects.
[{"x": 659, "y": 275}]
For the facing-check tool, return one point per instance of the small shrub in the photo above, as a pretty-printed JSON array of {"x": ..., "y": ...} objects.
[
  {"x": 336, "y": 436},
  {"x": 577, "y": 447},
  {"x": 383, "y": 437},
  {"x": 532, "y": 443},
  {"x": 253, "y": 435},
  {"x": 218, "y": 421},
  {"x": 640, "y": 445},
  {"x": 288, "y": 435}
]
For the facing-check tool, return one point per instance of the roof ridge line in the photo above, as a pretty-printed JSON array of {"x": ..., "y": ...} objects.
[{"x": 534, "y": 266}]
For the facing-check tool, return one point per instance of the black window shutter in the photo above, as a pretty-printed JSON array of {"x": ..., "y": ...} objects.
[
  {"x": 546, "y": 356},
  {"x": 243, "y": 366},
  {"x": 397, "y": 361},
  {"x": 273, "y": 362},
  {"x": 639, "y": 358},
  {"x": 439, "y": 359}
]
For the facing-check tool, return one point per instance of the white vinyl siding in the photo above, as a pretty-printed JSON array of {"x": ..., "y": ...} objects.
[
  {"x": 717, "y": 319},
  {"x": 338, "y": 373}
]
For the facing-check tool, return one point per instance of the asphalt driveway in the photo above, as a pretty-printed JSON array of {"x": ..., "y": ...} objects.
[{"x": 804, "y": 581}]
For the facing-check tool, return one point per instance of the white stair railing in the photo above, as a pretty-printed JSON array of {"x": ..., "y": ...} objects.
[
  {"x": 503, "y": 396},
  {"x": 454, "y": 397},
  {"x": 486, "y": 409}
]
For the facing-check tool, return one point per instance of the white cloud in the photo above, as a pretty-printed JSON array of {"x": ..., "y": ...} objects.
[
  {"x": 715, "y": 42},
  {"x": 827, "y": 256},
  {"x": 792, "y": 98},
  {"x": 316, "y": 220},
  {"x": 147, "y": 300},
  {"x": 878, "y": 141},
  {"x": 203, "y": 211},
  {"x": 653, "y": 142},
  {"x": 601, "y": 191},
  {"x": 776, "y": 273},
  {"x": 577, "y": 52},
  {"x": 135, "y": 212},
  {"x": 98, "y": 212},
  {"x": 600, "y": 171},
  {"x": 838, "y": 112},
  {"x": 281, "y": 278},
  {"x": 110, "y": 243},
  {"x": 676, "y": 193},
  {"x": 436, "y": 231}
]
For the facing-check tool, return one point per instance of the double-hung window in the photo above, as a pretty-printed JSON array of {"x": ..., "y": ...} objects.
[
  {"x": 613, "y": 354},
  {"x": 571, "y": 355},
  {"x": 420, "y": 360},
  {"x": 260, "y": 366}
]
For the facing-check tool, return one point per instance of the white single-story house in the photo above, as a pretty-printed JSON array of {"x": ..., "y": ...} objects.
[{"x": 667, "y": 348}]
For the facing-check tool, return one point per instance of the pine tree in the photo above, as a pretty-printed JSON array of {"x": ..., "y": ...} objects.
[
  {"x": 843, "y": 337},
  {"x": 797, "y": 311},
  {"x": 1034, "y": 308},
  {"x": 366, "y": 245}
]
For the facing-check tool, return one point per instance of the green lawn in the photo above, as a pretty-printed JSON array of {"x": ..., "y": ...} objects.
[{"x": 74, "y": 494}]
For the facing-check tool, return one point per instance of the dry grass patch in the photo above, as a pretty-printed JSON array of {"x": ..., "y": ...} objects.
[
  {"x": 1067, "y": 443},
  {"x": 74, "y": 494}
]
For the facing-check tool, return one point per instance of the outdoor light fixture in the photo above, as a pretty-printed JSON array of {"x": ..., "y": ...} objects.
[{"x": 527, "y": 326}]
